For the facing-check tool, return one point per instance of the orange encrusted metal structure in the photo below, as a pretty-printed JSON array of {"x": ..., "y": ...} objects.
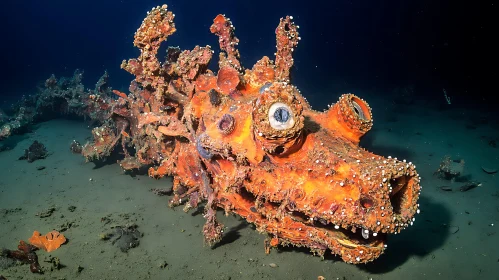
[{"x": 246, "y": 140}]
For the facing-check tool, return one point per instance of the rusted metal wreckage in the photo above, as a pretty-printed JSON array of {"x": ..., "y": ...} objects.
[{"x": 247, "y": 141}]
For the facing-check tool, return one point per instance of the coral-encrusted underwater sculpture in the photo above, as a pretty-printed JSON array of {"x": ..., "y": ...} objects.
[{"x": 247, "y": 141}]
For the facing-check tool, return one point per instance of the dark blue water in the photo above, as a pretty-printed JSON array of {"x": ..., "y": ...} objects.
[{"x": 345, "y": 46}]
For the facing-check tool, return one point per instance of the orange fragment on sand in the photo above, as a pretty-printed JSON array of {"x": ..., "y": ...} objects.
[{"x": 48, "y": 242}]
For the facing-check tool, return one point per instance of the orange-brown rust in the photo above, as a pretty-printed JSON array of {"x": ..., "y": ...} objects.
[
  {"x": 246, "y": 141},
  {"x": 351, "y": 116}
]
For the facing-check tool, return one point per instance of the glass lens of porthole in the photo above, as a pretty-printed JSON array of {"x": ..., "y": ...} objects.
[{"x": 281, "y": 116}]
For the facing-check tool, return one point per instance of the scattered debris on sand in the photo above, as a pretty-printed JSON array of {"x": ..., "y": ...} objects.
[
  {"x": 469, "y": 186},
  {"x": 47, "y": 213},
  {"x": 124, "y": 237},
  {"x": 450, "y": 169},
  {"x": 123, "y": 232},
  {"x": 36, "y": 151},
  {"x": 162, "y": 191},
  {"x": 76, "y": 147},
  {"x": 446, "y": 188},
  {"x": 489, "y": 170},
  {"x": 26, "y": 254}
]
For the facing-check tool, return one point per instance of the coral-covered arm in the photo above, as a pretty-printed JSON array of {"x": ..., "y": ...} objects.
[
  {"x": 287, "y": 40},
  {"x": 224, "y": 29}
]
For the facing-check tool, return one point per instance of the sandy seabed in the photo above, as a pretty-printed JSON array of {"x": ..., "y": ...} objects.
[{"x": 454, "y": 237}]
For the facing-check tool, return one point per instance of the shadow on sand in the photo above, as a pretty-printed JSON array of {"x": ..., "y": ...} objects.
[{"x": 11, "y": 142}]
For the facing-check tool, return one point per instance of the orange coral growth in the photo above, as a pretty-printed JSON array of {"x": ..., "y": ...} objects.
[
  {"x": 206, "y": 82},
  {"x": 49, "y": 242},
  {"x": 263, "y": 72},
  {"x": 148, "y": 118},
  {"x": 227, "y": 79},
  {"x": 120, "y": 94}
]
